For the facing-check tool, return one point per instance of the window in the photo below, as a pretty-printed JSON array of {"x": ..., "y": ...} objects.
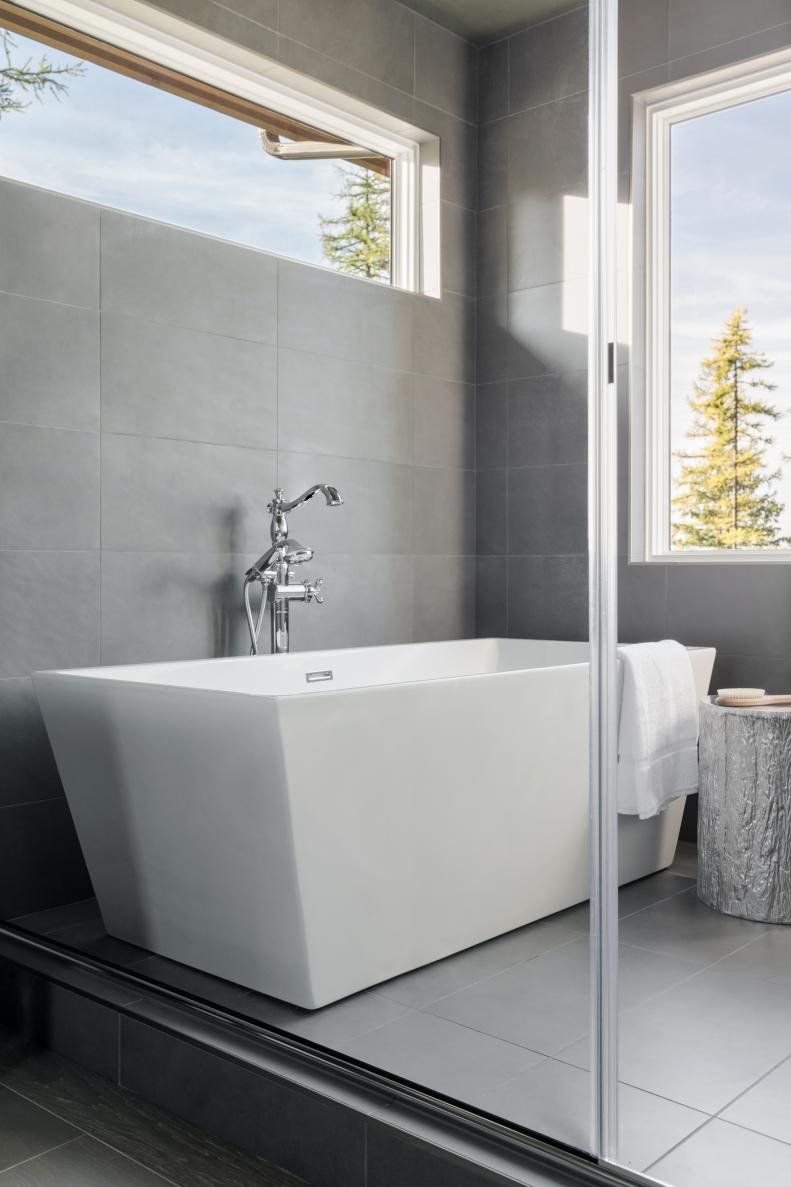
[
  {"x": 103, "y": 121},
  {"x": 711, "y": 332}
]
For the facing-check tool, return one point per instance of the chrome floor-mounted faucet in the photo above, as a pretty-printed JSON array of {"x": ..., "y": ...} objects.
[{"x": 275, "y": 574}]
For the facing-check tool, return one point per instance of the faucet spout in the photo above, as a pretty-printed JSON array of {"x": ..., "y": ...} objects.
[{"x": 331, "y": 495}]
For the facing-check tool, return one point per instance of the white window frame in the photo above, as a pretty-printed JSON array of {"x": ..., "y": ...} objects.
[
  {"x": 654, "y": 113},
  {"x": 168, "y": 41}
]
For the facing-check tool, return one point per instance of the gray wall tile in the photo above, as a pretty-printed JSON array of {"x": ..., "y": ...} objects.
[
  {"x": 547, "y": 510},
  {"x": 371, "y": 35},
  {"x": 354, "y": 82},
  {"x": 444, "y": 422},
  {"x": 445, "y": 337},
  {"x": 459, "y": 232},
  {"x": 40, "y": 860},
  {"x": 445, "y": 69},
  {"x": 699, "y": 24},
  {"x": 549, "y": 61},
  {"x": 492, "y": 187},
  {"x": 767, "y": 40},
  {"x": 50, "y": 488},
  {"x": 383, "y": 615},
  {"x": 492, "y": 343},
  {"x": 548, "y": 597},
  {"x": 49, "y": 361},
  {"x": 444, "y": 512},
  {"x": 218, "y": 18},
  {"x": 548, "y": 419},
  {"x": 164, "y": 273},
  {"x": 547, "y": 239},
  {"x": 343, "y": 408},
  {"x": 491, "y": 425},
  {"x": 491, "y": 512},
  {"x": 166, "y": 381},
  {"x": 323, "y": 312},
  {"x": 38, "y": 630},
  {"x": 49, "y": 247},
  {"x": 29, "y": 771},
  {"x": 444, "y": 598},
  {"x": 704, "y": 603},
  {"x": 642, "y": 602},
  {"x": 493, "y": 81},
  {"x": 493, "y": 262},
  {"x": 643, "y": 34},
  {"x": 491, "y": 597},
  {"x": 377, "y": 513},
  {"x": 195, "y": 599},
  {"x": 547, "y": 329},
  {"x": 177, "y": 496},
  {"x": 548, "y": 149},
  {"x": 457, "y": 153}
]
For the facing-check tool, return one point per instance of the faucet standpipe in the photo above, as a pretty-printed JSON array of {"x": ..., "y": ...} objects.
[{"x": 273, "y": 570}]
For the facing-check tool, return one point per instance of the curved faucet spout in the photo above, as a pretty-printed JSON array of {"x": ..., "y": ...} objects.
[{"x": 331, "y": 496}]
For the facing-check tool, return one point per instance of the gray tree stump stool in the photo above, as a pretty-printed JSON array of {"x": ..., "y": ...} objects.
[{"x": 744, "y": 812}]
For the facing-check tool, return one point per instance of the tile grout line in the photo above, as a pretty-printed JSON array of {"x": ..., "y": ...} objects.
[{"x": 42, "y": 1153}]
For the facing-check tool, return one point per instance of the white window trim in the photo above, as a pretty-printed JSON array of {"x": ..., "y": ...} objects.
[
  {"x": 654, "y": 114},
  {"x": 162, "y": 38}
]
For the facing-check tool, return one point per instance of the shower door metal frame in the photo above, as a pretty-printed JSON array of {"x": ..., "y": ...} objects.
[{"x": 603, "y": 565}]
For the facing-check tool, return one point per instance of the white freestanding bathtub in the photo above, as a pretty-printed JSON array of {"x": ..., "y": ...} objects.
[{"x": 311, "y": 824}]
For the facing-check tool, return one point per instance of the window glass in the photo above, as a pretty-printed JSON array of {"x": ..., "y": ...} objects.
[{"x": 84, "y": 130}]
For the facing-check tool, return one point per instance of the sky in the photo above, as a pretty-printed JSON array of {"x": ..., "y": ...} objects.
[
  {"x": 730, "y": 246},
  {"x": 125, "y": 144}
]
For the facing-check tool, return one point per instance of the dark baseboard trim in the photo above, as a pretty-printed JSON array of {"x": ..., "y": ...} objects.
[{"x": 368, "y": 1129}]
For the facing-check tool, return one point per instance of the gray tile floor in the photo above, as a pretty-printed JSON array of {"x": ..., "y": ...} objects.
[
  {"x": 61, "y": 1126},
  {"x": 705, "y": 1059}
]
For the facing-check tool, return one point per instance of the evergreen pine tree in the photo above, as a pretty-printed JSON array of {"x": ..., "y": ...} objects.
[
  {"x": 725, "y": 495},
  {"x": 22, "y": 78},
  {"x": 358, "y": 240}
]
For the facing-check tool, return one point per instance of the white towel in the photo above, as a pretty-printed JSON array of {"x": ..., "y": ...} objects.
[{"x": 658, "y": 731}]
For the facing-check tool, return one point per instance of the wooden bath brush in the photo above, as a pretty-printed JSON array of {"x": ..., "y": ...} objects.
[{"x": 750, "y": 698}]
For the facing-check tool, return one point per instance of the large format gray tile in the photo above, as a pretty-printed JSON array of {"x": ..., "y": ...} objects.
[
  {"x": 198, "y": 602},
  {"x": 167, "y": 274},
  {"x": 445, "y": 337},
  {"x": 383, "y": 615},
  {"x": 444, "y": 511},
  {"x": 707, "y": 1040},
  {"x": 704, "y": 609},
  {"x": 491, "y": 425},
  {"x": 765, "y": 1107},
  {"x": 547, "y": 419},
  {"x": 554, "y": 1098},
  {"x": 458, "y": 249},
  {"x": 493, "y": 256},
  {"x": 376, "y": 516},
  {"x": 443, "y": 977},
  {"x": 491, "y": 597},
  {"x": 491, "y": 512},
  {"x": 49, "y": 922},
  {"x": 49, "y": 246},
  {"x": 444, "y": 423},
  {"x": 345, "y": 1020},
  {"x": 29, "y": 771},
  {"x": 228, "y": 24},
  {"x": 549, "y": 60},
  {"x": 547, "y": 510},
  {"x": 342, "y": 408},
  {"x": 434, "y": 1053},
  {"x": 492, "y": 338},
  {"x": 445, "y": 69},
  {"x": 548, "y": 597},
  {"x": 722, "y": 1155},
  {"x": 697, "y": 25},
  {"x": 50, "y": 488},
  {"x": 41, "y": 862},
  {"x": 643, "y": 34},
  {"x": 36, "y": 632},
  {"x": 547, "y": 329},
  {"x": 343, "y": 317},
  {"x": 183, "y": 496},
  {"x": 633, "y": 897},
  {"x": 642, "y": 602},
  {"x": 49, "y": 360},
  {"x": 492, "y": 186},
  {"x": 750, "y": 46},
  {"x": 345, "y": 78},
  {"x": 547, "y": 239},
  {"x": 683, "y": 928},
  {"x": 493, "y": 81},
  {"x": 547, "y": 149},
  {"x": 443, "y": 597},
  {"x": 376, "y": 38},
  {"x": 83, "y": 1162},
  {"x": 28, "y": 1130},
  {"x": 166, "y": 381},
  {"x": 543, "y": 1003},
  {"x": 768, "y": 956}
]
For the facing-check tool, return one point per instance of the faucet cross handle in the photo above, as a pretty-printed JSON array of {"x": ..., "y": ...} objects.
[{"x": 313, "y": 591}]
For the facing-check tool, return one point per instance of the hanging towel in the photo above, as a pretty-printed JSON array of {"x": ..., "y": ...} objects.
[{"x": 658, "y": 731}]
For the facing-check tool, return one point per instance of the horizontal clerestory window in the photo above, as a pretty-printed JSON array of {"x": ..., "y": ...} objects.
[
  {"x": 711, "y": 325},
  {"x": 99, "y": 120}
]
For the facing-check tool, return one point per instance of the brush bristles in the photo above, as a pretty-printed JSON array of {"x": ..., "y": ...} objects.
[{"x": 741, "y": 694}]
